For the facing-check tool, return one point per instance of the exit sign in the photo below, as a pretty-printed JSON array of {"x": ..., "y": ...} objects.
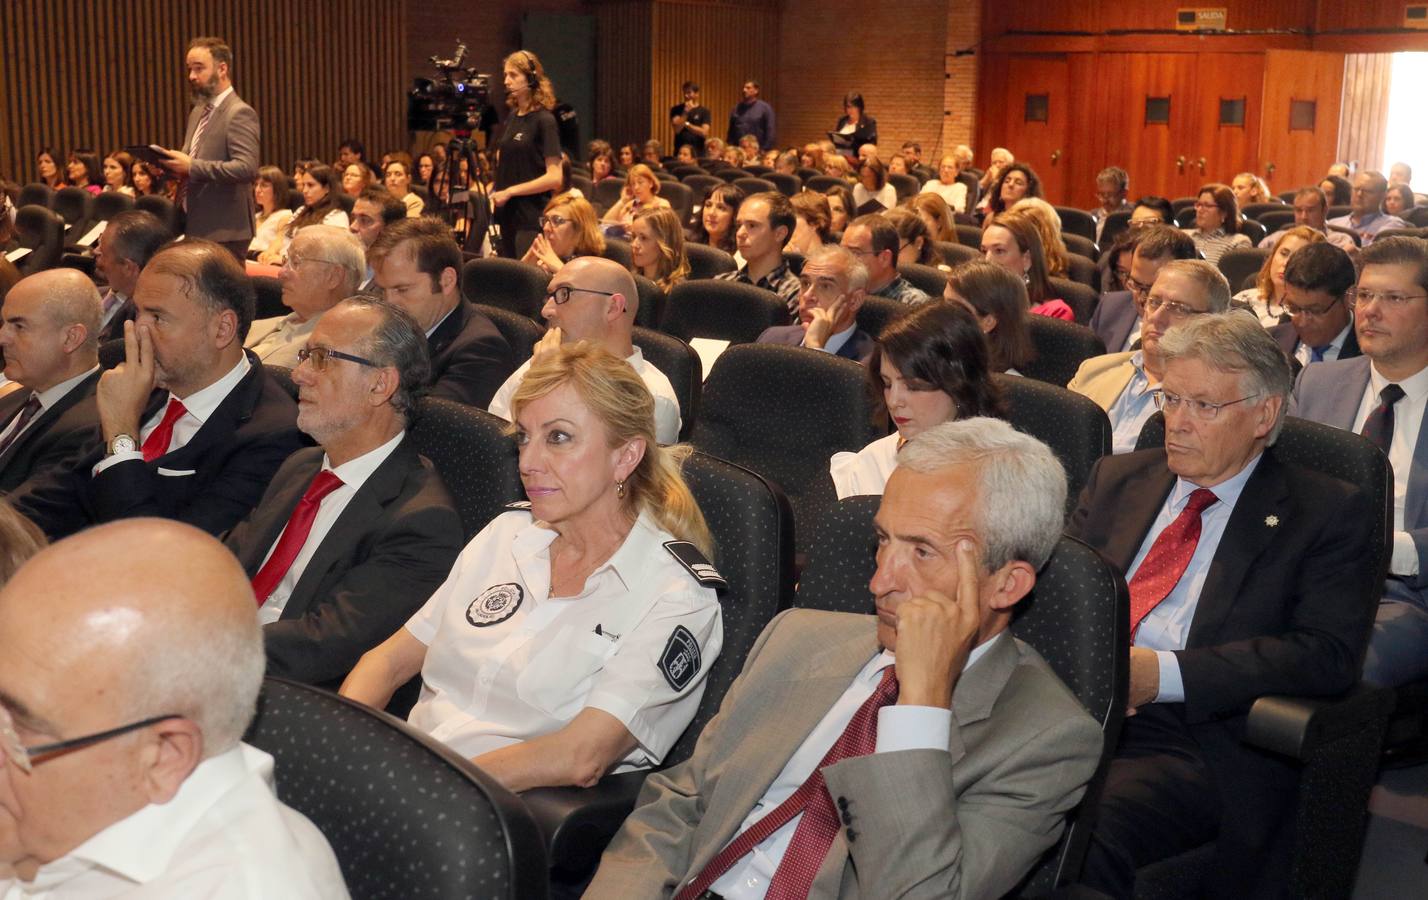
[{"x": 1200, "y": 18}]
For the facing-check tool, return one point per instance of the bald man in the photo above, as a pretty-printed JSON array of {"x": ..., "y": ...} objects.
[
  {"x": 135, "y": 646},
  {"x": 594, "y": 299},
  {"x": 50, "y": 339}
]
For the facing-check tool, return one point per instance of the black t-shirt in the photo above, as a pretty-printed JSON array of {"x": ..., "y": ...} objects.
[
  {"x": 699, "y": 115},
  {"x": 526, "y": 143}
]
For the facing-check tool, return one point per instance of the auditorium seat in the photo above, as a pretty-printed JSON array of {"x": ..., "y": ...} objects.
[
  {"x": 876, "y": 312},
  {"x": 652, "y": 301},
  {"x": 680, "y": 364},
  {"x": 268, "y": 297},
  {"x": 724, "y": 310},
  {"x": 701, "y": 185},
  {"x": 169, "y": 215},
  {"x": 954, "y": 254},
  {"x": 969, "y": 235},
  {"x": 706, "y": 261},
  {"x": 474, "y": 456},
  {"x": 518, "y": 330},
  {"x": 752, "y": 185},
  {"x": 1061, "y": 347},
  {"x": 618, "y": 250},
  {"x": 825, "y": 183},
  {"x": 507, "y": 283},
  {"x": 806, "y": 173},
  {"x": 1076, "y": 222},
  {"x": 345, "y": 202},
  {"x": 35, "y": 194},
  {"x": 607, "y": 192},
  {"x": 733, "y": 173},
  {"x": 974, "y": 188},
  {"x": 1075, "y": 243},
  {"x": 930, "y": 280},
  {"x": 110, "y": 204},
  {"x": 1239, "y": 263},
  {"x": 1274, "y": 220},
  {"x": 1079, "y": 297},
  {"x": 1074, "y": 427},
  {"x": 1082, "y": 270},
  {"x": 905, "y": 186},
  {"x": 679, "y": 197},
  {"x": 584, "y": 185},
  {"x": 76, "y": 207},
  {"x": 758, "y": 170},
  {"x": 1117, "y": 223},
  {"x": 1255, "y": 210},
  {"x": 683, "y": 171},
  {"x": 788, "y": 185},
  {"x": 1353, "y": 235},
  {"x": 40, "y": 230},
  {"x": 1252, "y": 230}
]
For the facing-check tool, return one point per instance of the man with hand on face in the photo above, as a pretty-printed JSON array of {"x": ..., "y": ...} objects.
[
  {"x": 324, "y": 265},
  {"x": 130, "y": 663},
  {"x": 833, "y": 283},
  {"x": 921, "y": 752},
  {"x": 1248, "y": 576},
  {"x": 763, "y": 225},
  {"x": 595, "y": 299},
  {"x": 193, "y": 428},
  {"x": 690, "y": 121},
  {"x": 334, "y": 582}
]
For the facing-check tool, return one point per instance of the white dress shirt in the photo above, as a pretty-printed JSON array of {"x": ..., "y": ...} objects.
[
  {"x": 899, "y": 728},
  {"x": 1166, "y": 628},
  {"x": 223, "y": 836},
  {"x": 354, "y": 473},
  {"x": 47, "y": 399},
  {"x": 1407, "y": 419},
  {"x": 868, "y": 470},
  {"x": 198, "y": 406}
]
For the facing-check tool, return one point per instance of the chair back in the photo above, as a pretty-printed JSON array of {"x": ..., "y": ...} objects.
[
  {"x": 1076, "y": 243},
  {"x": 788, "y": 185},
  {"x": 166, "y": 212},
  {"x": 1076, "y": 222},
  {"x": 267, "y": 297},
  {"x": 35, "y": 194},
  {"x": 734, "y": 173},
  {"x": 806, "y": 172},
  {"x": 518, "y": 330},
  {"x": 1079, "y": 297},
  {"x": 1277, "y": 219},
  {"x": 1353, "y": 235},
  {"x": 904, "y": 186},
  {"x": 1335, "y": 212},
  {"x": 758, "y": 170},
  {"x": 973, "y": 182},
  {"x": 681, "y": 171},
  {"x": 1256, "y": 210},
  {"x": 652, "y": 301},
  {"x": 583, "y": 184},
  {"x": 110, "y": 204},
  {"x": 111, "y": 353},
  {"x": 1073, "y": 426},
  {"x": 925, "y": 278},
  {"x": 618, "y": 250},
  {"x": 702, "y": 184},
  {"x": 607, "y": 191},
  {"x": 681, "y": 365},
  {"x": 1238, "y": 263},
  {"x": 876, "y": 312},
  {"x": 1418, "y": 216},
  {"x": 75, "y": 205},
  {"x": 1061, "y": 347},
  {"x": 506, "y": 284},
  {"x": 345, "y": 202},
  {"x": 362, "y": 776},
  {"x": 1252, "y": 230},
  {"x": 954, "y": 254},
  {"x": 970, "y": 235},
  {"x": 42, "y": 231},
  {"x": 473, "y": 456},
  {"x": 825, "y": 183},
  {"x": 726, "y": 310},
  {"x": 783, "y": 412},
  {"x": 752, "y": 185},
  {"x": 680, "y": 197},
  {"x": 706, "y": 261},
  {"x": 1082, "y": 270},
  {"x": 282, "y": 376},
  {"x": 1181, "y": 203},
  {"x": 1116, "y": 224}
]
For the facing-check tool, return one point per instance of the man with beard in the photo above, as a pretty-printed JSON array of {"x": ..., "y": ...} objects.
[{"x": 219, "y": 159}]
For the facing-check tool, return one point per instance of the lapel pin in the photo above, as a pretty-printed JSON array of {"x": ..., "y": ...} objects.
[{"x": 1272, "y": 521}]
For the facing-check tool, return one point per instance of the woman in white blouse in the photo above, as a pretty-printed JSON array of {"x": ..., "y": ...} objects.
[
  {"x": 929, "y": 367},
  {"x": 319, "y": 187},
  {"x": 873, "y": 185},
  {"x": 270, "y": 195},
  {"x": 946, "y": 185}
]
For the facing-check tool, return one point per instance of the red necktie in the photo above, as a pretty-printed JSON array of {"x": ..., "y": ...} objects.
[
  {"x": 294, "y": 535},
  {"x": 1168, "y": 558},
  {"x": 27, "y": 412},
  {"x": 157, "y": 443},
  {"x": 816, "y": 830}
]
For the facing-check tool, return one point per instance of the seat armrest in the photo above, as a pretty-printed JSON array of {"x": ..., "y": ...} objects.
[
  {"x": 1298, "y": 726},
  {"x": 577, "y": 823}
]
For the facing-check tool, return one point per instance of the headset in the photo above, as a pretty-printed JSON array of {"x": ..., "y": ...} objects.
[{"x": 532, "y": 79}]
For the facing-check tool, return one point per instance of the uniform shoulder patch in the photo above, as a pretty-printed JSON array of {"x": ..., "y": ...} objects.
[
  {"x": 519, "y": 504},
  {"x": 689, "y": 556},
  {"x": 680, "y": 661}
]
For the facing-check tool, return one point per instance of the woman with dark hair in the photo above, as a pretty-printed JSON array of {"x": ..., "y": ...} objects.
[
  {"x": 270, "y": 195},
  {"x": 1399, "y": 200},
  {"x": 319, "y": 188},
  {"x": 83, "y": 170},
  {"x": 1016, "y": 182},
  {"x": 602, "y": 165},
  {"x": 119, "y": 173},
  {"x": 841, "y": 207},
  {"x": 1217, "y": 222},
  {"x": 998, "y": 298},
  {"x": 1337, "y": 189},
  {"x": 629, "y": 155},
  {"x": 657, "y": 247},
  {"x": 1013, "y": 242},
  {"x": 873, "y": 186},
  {"x": 928, "y": 367},
  {"x": 715, "y": 226},
  {"x": 47, "y": 169},
  {"x": 914, "y": 241},
  {"x": 811, "y": 217},
  {"x": 856, "y": 127},
  {"x": 397, "y": 178},
  {"x": 528, "y": 169},
  {"x": 425, "y": 167}
]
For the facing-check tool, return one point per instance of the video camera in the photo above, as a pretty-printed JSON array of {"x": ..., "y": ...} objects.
[{"x": 458, "y": 100}]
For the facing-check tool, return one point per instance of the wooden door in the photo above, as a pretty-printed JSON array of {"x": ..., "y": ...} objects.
[
  {"x": 1147, "y": 108},
  {"x": 1226, "y": 115},
  {"x": 1025, "y": 99},
  {"x": 1296, "y": 146}
]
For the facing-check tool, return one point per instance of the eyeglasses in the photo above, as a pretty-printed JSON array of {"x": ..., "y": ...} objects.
[
  {"x": 1311, "y": 312},
  {"x": 1199, "y": 205},
  {"x": 1176, "y": 310},
  {"x": 562, "y": 293},
  {"x": 1203, "y": 410},
  {"x": 552, "y": 221},
  {"x": 319, "y": 357},
  {"x": 1358, "y": 297},
  {"x": 295, "y": 261},
  {"x": 1137, "y": 288},
  {"x": 26, "y": 758}
]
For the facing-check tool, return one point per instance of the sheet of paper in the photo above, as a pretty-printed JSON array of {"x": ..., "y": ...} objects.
[
  {"x": 18, "y": 254},
  {"x": 92, "y": 235},
  {"x": 708, "y": 350}
]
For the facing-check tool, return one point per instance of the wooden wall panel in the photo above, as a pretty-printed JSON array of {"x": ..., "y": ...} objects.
[
  {"x": 1077, "y": 15},
  {"x": 71, "y": 78},
  {"x": 1299, "y": 157},
  {"x": 1364, "y": 121},
  {"x": 622, "y": 70}
]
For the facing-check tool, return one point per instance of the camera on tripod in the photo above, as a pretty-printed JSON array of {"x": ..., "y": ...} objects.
[{"x": 458, "y": 100}]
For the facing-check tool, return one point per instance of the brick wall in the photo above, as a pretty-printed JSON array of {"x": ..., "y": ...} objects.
[{"x": 959, "y": 97}]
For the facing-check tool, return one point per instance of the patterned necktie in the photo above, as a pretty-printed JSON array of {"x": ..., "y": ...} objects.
[
  {"x": 820, "y": 822},
  {"x": 27, "y": 412},
  {"x": 1378, "y": 427},
  {"x": 157, "y": 444},
  {"x": 1168, "y": 558},
  {"x": 294, "y": 535},
  {"x": 182, "y": 193}
]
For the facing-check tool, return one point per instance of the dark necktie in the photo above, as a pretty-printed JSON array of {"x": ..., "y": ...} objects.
[
  {"x": 22, "y": 419},
  {"x": 1316, "y": 354},
  {"x": 1378, "y": 427},
  {"x": 819, "y": 825},
  {"x": 157, "y": 443},
  {"x": 294, "y": 535},
  {"x": 1168, "y": 558}
]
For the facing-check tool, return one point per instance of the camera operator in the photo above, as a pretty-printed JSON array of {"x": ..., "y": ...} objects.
[{"x": 528, "y": 165}]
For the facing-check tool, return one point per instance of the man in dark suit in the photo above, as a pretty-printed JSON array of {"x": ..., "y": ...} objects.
[
  {"x": 1117, "y": 318},
  {"x": 834, "y": 286},
  {"x": 1317, "y": 280},
  {"x": 219, "y": 159},
  {"x": 202, "y": 447},
  {"x": 1382, "y": 395},
  {"x": 51, "y": 319},
  {"x": 418, "y": 267},
  {"x": 1248, "y": 576},
  {"x": 334, "y": 584},
  {"x": 127, "y": 244}
]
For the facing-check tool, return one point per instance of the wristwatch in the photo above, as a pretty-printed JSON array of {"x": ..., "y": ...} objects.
[{"x": 122, "y": 443}]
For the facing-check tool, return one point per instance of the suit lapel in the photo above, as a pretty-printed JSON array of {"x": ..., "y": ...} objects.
[
  {"x": 1415, "y": 504},
  {"x": 47, "y": 417},
  {"x": 447, "y": 331},
  {"x": 1139, "y": 504},
  {"x": 1265, "y": 499}
]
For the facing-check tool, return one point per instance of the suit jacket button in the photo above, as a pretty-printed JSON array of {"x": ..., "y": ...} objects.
[
  {"x": 852, "y": 835},
  {"x": 842, "y": 802},
  {"x": 847, "y": 819}
]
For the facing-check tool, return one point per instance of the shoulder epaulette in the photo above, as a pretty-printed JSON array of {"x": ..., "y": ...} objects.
[{"x": 689, "y": 556}]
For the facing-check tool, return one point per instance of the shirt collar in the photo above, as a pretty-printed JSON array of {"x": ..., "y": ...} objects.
[
  {"x": 57, "y": 393},
  {"x": 202, "y": 403},
  {"x": 628, "y": 562},
  {"x": 355, "y": 472},
  {"x": 1415, "y": 386},
  {"x": 218, "y": 101},
  {"x": 432, "y": 329},
  {"x": 1227, "y": 492},
  {"x": 836, "y": 342}
]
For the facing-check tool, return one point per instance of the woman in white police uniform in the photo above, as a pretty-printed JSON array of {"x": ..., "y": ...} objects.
[
  {"x": 929, "y": 367},
  {"x": 573, "y": 636}
]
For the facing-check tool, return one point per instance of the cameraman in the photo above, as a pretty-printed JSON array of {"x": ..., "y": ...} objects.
[{"x": 528, "y": 162}]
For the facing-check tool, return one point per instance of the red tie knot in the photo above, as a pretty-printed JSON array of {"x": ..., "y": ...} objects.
[
  {"x": 325, "y": 483},
  {"x": 1200, "y": 500}
]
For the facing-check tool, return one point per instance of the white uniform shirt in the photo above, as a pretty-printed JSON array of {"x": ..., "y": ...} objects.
[
  {"x": 506, "y": 662},
  {"x": 667, "y": 421},
  {"x": 224, "y": 836},
  {"x": 1407, "y": 420},
  {"x": 868, "y": 470}
]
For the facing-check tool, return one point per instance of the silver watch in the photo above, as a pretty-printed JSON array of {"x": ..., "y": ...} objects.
[{"x": 122, "y": 443}]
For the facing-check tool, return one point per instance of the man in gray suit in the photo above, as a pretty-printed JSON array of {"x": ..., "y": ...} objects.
[
  {"x": 219, "y": 159},
  {"x": 958, "y": 788},
  {"x": 1382, "y": 395}
]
